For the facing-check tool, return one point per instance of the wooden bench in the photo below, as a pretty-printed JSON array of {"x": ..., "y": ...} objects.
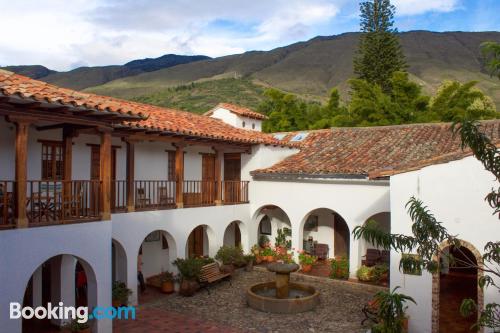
[{"x": 211, "y": 273}]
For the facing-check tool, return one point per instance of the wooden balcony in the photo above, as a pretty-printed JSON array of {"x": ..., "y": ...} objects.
[{"x": 62, "y": 202}]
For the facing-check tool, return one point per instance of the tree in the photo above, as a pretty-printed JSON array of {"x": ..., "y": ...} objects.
[
  {"x": 379, "y": 54},
  {"x": 491, "y": 53},
  {"x": 428, "y": 233},
  {"x": 454, "y": 101}
]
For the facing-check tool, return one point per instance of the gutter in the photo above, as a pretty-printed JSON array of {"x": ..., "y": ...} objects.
[{"x": 359, "y": 179}]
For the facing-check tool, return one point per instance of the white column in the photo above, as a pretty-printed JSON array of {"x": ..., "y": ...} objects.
[
  {"x": 37, "y": 287},
  {"x": 354, "y": 255},
  {"x": 62, "y": 282},
  {"x": 132, "y": 281}
]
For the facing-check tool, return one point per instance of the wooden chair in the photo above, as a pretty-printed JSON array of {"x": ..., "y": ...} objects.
[
  {"x": 141, "y": 199},
  {"x": 163, "y": 199},
  {"x": 372, "y": 257},
  {"x": 210, "y": 274}
]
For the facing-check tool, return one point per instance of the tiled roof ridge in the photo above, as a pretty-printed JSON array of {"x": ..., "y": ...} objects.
[
  {"x": 238, "y": 109},
  {"x": 154, "y": 117}
]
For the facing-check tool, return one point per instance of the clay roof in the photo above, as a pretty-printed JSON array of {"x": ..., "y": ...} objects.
[
  {"x": 239, "y": 110},
  {"x": 15, "y": 85},
  {"x": 374, "y": 152},
  {"x": 145, "y": 116}
]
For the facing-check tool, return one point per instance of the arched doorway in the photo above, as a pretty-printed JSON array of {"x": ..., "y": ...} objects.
[
  {"x": 369, "y": 252},
  {"x": 119, "y": 262},
  {"x": 457, "y": 281},
  {"x": 63, "y": 278},
  {"x": 232, "y": 234},
  {"x": 201, "y": 242},
  {"x": 157, "y": 252},
  {"x": 271, "y": 219},
  {"x": 325, "y": 234}
]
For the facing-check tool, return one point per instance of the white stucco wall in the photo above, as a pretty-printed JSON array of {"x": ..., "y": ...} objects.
[
  {"x": 237, "y": 120},
  {"x": 454, "y": 192},
  {"x": 27, "y": 249},
  {"x": 355, "y": 201},
  {"x": 263, "y": 156}
]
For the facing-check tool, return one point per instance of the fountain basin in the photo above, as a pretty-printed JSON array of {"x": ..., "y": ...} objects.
[{"x": 301, "y": 298}]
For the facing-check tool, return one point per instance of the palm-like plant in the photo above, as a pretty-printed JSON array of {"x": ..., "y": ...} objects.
[{"x": 391, "y": 308}]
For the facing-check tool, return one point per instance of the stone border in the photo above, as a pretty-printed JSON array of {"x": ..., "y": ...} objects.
[
  {"x": 304, "y": 278},
  {"x": 436, "y": 285}
]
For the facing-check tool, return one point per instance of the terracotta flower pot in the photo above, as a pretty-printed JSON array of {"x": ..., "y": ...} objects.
[
  {"x": 249, "y": 266},
  {"x": 405, "y": 324},
  {"x": 258, "y": 259},
  {"x": 188, "y": 287},
  {"x": 167, "y": 287},
  {"x": 306, "y": 267},
  {"x": 270, "y": 258}
]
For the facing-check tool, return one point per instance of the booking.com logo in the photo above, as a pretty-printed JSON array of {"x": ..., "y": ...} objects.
[{"x": 80, "y": 314}]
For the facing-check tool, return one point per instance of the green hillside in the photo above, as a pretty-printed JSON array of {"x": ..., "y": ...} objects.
[
  {"x": 200, "y": 97},
  {"x": 312, "y": 68}
]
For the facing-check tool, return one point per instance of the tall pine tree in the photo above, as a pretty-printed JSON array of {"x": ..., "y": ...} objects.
[{"x": 379, "y": 54}]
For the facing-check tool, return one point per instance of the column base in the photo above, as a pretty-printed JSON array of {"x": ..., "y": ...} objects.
[{"x": 180, "y": 205}]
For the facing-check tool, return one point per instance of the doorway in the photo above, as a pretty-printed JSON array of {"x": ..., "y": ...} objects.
[
  {"x": 196, "y": 242},
  {"x": 232, "y": 177}
]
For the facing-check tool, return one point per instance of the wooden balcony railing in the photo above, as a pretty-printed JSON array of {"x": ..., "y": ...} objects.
[
  {"x": 154, "y": 194},
  {"x": 234, "y": 192},
  {"x": 198, "y": 193},
  {"x": 53, "y": 202},
  {"x": 56, "y": 202},
  {"x": 6, "y": 204}
]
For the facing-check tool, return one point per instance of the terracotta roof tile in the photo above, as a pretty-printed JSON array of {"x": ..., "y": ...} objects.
[
  {"x": 375, "y": 151},
  {"x": 239, "y": 110},
  {"x": 168, "y": 120}
]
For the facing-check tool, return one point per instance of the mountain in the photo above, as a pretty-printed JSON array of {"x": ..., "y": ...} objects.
[
  {"x": 83, "y": 77},
  {"x": 33, "y": 71},
  {"x": 313, "y": 67}
]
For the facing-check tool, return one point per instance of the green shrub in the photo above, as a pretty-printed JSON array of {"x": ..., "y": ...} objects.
[
  {"x": 340, "y": 268},
  {"x": 230, "y": 255},
  {"x": 364, "y": 273},
  {"x": 190, "y": 269},
  {"x": 120, "y": 292}
]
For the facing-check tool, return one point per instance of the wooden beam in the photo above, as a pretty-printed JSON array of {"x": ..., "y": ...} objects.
[
  {"x": 68, "y": 134},
  {"x": 105, "y": 175},
  {"x": 130, "y": 170},
  {"x": 219, "y": 156},
  {"x": 21, "y": 144},
  {"x": 179, "y": 175}
]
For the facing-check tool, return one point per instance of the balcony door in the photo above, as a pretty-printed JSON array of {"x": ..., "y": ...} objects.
[
  {"x": 232, "y": 177},
  {"x": 208, "y": 178},
  {"x": 95, "y": 172}
]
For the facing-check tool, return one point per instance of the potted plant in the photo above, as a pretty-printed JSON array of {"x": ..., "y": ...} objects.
[
  {"x": 189, "y": 270},
  {"x": 230, "y": 256},
  {"x": 281, "y": 243},
  {"x": 74, "y": 326},
  {"x": 249, "y": 259},
  {"x": 167, "y": 280},
  {"x": 306, "y": 261},
  {"x": 264, "y": 241},
  {"x": 340, "y": 268},
  {"x": 391, "y": 308},
  {"x": 268, "y": 254},
  {"x": 256, "y": 252},
  {"x": 120, "y": 294},
  {"x": 381, "y": 273},
  {"x": 364, "y": 273}
]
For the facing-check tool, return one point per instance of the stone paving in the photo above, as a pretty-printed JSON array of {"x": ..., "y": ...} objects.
[{"x": 225, "y": 309}]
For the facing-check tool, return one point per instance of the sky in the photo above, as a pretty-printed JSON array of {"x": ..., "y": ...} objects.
[{"x": 65, "y": 34}]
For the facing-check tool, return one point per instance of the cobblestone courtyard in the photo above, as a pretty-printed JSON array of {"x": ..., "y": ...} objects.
[{"x": 225, "y": 309}]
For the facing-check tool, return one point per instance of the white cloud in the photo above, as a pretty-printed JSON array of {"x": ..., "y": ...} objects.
[
  {"x": 415, "y": 7},
  {"x": 60, "y": 34}
]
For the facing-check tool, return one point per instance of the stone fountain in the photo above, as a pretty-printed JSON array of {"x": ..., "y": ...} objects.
[{"x": 281, "y": 295}]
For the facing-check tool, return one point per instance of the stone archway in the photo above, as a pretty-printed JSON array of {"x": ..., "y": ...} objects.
[
  {"x": 201, "y": 242},
  {"x": 436, "y": 284},
  {"x": 236, "y": 234},
  {"x": 269, "y": 219},
  {"x": 57, "y": 280}
]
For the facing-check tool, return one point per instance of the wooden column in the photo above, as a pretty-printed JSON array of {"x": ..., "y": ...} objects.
[
  {"x": 130, "y": 176},
  {"x": 179, "y": 175},
  {"x": 20, "y": 216},
  {"x": 218, "y": 177},
  {"x": 105, "y": 174},
  {"x": 68, "y": 135}
]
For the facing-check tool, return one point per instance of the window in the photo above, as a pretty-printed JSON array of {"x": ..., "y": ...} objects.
[
  {"x": 253, "y": 126},
  {"x": 171, "y": 165},
  {"x": 243, "y": 124},
  {"x": 265, "y": 226},
  {"x": 52, "y": 160}
]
